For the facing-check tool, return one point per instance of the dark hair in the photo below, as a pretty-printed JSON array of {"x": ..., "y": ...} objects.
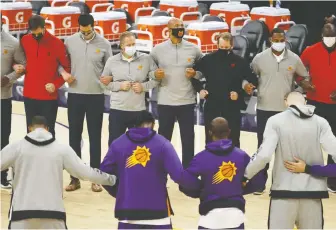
[
  {"x": 39, "y": 120},
  {"x": 277, "y": 31},
  {"x": 143, "y": 118},
  {"x": 86, "y": 20},
  {"x": 35, "y": 22}
]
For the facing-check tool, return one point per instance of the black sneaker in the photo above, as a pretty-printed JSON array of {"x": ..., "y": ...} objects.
[{"x": 6, "y": 185}]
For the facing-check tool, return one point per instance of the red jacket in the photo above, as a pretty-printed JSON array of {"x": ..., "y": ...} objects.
[
  {"x": 43, "y": 59},
  {"x": 322, "y": 70}
]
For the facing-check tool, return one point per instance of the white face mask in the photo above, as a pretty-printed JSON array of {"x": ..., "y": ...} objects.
[
  {"x": 130, "y": 50},
  {"x": 329, "y": 41},
  {"x": 279, "y": 46}
]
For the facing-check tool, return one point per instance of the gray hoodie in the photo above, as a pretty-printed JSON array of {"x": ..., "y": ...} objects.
[
  {"x": 296, "y": 132},
  {"x": 37, "y": 160}
]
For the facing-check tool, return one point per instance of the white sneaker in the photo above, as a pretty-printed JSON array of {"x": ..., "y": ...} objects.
[
  {"x": 331, "y": 190},
  {"x": 6, "y": 185},
  {"x": 258, "y": 193}
]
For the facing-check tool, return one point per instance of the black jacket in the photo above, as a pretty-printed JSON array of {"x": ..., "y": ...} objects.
[{"x": 223, "y": 73}]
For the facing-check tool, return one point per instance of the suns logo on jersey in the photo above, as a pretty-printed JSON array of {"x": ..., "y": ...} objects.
[
  {"x": 141, "y": 155},
  {"x": 226, "y": 172}
]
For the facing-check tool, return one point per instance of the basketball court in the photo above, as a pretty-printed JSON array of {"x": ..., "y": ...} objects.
[{"x": 88, "y": 210}]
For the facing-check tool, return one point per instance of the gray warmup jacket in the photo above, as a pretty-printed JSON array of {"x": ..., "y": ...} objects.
[
  {"x": 296, "y": 132},
  {"x": 175, "y": 88},
  {"x": 141, "y": 69},
  {"x": 276, "y": 79},
  {"x": 11, "y": 53},
  {"x": 38, "y": 160}
]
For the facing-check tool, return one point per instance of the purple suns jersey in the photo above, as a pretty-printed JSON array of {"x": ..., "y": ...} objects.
[
  {"x": 141, "y": 160},
  {"x": 221, "y": 167}
]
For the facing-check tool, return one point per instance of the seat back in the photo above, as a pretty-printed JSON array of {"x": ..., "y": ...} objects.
[
  {"x": 160, "y": 13},
  {"x": 203, "y": 8},
  {"x": 38, "y": 5},
  {"x": 257, "y": 34},
  {"x": 241, "y": 46},
  {"x": 289, "y": 45},
  {"x": 84, "y": 9},
  {"x": 297, "y": 36},
  {"x": 210, "y": 18}
]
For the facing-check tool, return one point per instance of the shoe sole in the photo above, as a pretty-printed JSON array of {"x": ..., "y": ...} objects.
[
  {"x": 332, "y": 191},
  {"x": 258, "y": 193},
  {"x": 6, "y": 187},
  {"x": 72, "y": 190}
]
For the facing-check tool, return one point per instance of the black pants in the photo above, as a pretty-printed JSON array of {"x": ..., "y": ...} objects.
[
  {"x": 6, "y": 125},
  {"x": 92, "y": 106},
  {"x": 184, "y": 115},
  {"x": 262, "y": 118},
  {"x": 45, "y": 108},
  {"x": 327, "y": 111},
  {"x": 233, "y": 116},
  {"x": 119, "y": 121}
]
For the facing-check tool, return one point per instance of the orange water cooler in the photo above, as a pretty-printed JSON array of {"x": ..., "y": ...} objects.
[
  {"x": 186, "y": 10},
  {"x": 61, "y": 21},
  {"x": 57, "y": 3},
  {"x": 136, "y": 8},
  {"x": 273, "y": 17},
  {"x": 110, "y": 24},
  {"x": 15, "y": 15},
  {"x": 205, "y": 34},
  {"x": 233, "y": 13}
]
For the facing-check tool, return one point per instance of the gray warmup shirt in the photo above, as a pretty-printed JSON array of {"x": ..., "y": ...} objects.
[
  {"x": 296, "y": 132},
  {"x": 175, "y": 88},
  {"x": 276, "y": 79},
  {"x": 88, "y": 59},
  {"x": 140, "y": 69},
  {"x": 11, "y": 53}
]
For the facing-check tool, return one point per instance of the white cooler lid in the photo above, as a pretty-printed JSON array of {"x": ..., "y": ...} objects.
[
  {"x": 15, "y": 5},
  {"x": 270, "y": 11},
  {"x": 60, "y": 10},
  {"x": 230, "y": 6},
  {"x": 204, "y": 26},
  {"x": 125, "y": 1},
  {"x": 111, "y": 15},
  {"x": 192, "y": 3},
  {"x": 154, "y": 21}
]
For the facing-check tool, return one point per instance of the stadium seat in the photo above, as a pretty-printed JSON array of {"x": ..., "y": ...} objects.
[
  {"x": 241, "y": 46},
  {"x": 289, "y": 45},
  {"x": 297, "y": 36},
  {"x": 157, "y": 13},
  {"x": 84, "y": 9},
  {"x": 38, "y": 5},
  {"x": 203, "y": 8},
  {"x": 210, "y": 18},
  {"x": 257, "y": 34}
]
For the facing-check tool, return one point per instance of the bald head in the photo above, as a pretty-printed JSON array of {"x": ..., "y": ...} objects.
[
  {"x": 176, "y": 30},
  {"x": 219, "y": 128},
  {"x": 295, "y": 98},
  {"x": 175, "y": 23}
]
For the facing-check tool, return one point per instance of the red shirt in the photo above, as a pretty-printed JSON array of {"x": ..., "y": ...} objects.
[
  {"x": 322, "y": 70},
  {"x": 43, "y": 59}
]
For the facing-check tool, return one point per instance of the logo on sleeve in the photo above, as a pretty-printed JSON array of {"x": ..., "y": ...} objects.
[
  {"x": 226, "y": 172},
  {"x": 140, "y": 156}
]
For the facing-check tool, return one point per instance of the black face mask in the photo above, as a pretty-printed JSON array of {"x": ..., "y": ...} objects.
[
  {"x": 38, "y": 36},
  {"x": 224, "y": 52},
  {"x": 178, "y": 32}
]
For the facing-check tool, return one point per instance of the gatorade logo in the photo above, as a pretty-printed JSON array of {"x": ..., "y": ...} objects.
[
  {"x": 222, "y": 16},
  {"x": 66, "y": 22},
  {"x": 165, "y": 33},
  {"x": 171, "y": 11},
  {"x": 124, "y": 6},
  {"x": 214, "y": 37},
  {"x": 19, "y": 17},
  {"x": 115, "y": 27}
]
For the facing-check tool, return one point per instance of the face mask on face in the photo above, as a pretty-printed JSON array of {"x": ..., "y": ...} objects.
[
  {"x": 38, "y": 36},
  {"x": 130, "y": 50},
  {"x": 329, "y": 41},
  {"x": 178, "y": 32},
  {"x": 278, "y": 46}
]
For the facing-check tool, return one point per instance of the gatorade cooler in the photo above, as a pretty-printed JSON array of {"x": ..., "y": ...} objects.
[
  {"x": 97, "y": 5},
  {"x": 132, "y": 5},
  {"x": 61, "y": 21},
  {"x": 233, "y": 13},
  {"x": 16, "y": 15},
  {"x": 207, "y": 32},
  {"x": 156, "y": 27},
  {"x": 57, "y": 3},
  {"x": 271, "y": 16},
  {"x": 178, "y": 7},
  {"x": 110, "y": 24}
]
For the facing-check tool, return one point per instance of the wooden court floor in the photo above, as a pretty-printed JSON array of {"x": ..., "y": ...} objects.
[{"x": 88, "y": 210}]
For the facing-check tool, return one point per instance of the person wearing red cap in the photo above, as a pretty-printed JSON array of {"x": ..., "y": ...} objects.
[{"x": 320, "y": 59}]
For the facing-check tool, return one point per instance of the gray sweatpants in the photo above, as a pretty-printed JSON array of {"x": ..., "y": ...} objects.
[
  {"x": 304, "y": 213},
  {"x": 38, "y": 223}
]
